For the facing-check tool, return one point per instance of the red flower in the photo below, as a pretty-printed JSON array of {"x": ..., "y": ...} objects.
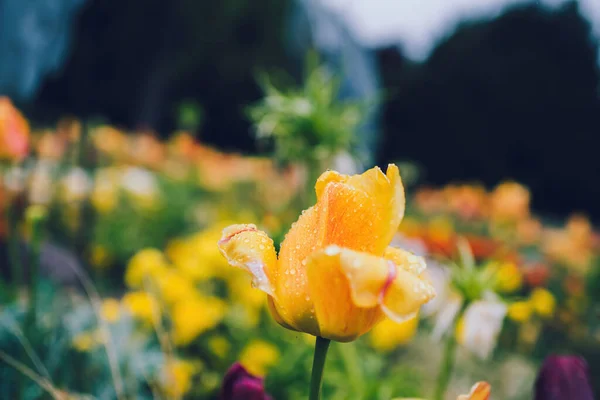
[{"x": 239, "y": 384}]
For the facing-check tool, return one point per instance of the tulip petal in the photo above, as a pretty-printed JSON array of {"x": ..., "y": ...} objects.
[
  {"x": 347, "y": 286},
  {"x": 479, "y": 391},
  {"x": 364, "y": 211},
  {"x": 337, "y": 316},
  {"x": 406, "y": 260},
  {"x": 246, "y": 247}
]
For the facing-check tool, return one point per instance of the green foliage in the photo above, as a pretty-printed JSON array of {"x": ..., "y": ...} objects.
[
  {"x": 307, "y": 124},
  {"x": 129, "y": 228}
]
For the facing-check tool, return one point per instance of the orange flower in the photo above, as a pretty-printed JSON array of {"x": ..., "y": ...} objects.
[
  {"x": 509, "y": 202},
  {"x": 335, "y": 276},
  {"x": 14, "y": 132},
  {"x": 479, "y": 391}
]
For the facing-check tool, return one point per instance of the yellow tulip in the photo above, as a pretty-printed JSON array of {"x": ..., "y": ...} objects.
[
  {"x": 177, "y": 377},
  {"x": 520, "y": 311},
  {"x": 193, "y": 317},
  {"x": 543, "y": 302},
  {"x": 508, "y": 278},
  {"x": 145, "y": 265},
  {"x": 142, "y": 306},
  {"x": 336, "y": 276},
  {"x": 258, "y": 356},
  {"x": 389, "y": 334}
]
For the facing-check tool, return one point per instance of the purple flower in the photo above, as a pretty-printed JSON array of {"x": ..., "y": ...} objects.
[
  {"x": 239, "y": 384},
  {"x": 563, "y": 378}
]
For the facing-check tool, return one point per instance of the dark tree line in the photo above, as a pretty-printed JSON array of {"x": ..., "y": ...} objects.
[{"x": 515, "y": 97}]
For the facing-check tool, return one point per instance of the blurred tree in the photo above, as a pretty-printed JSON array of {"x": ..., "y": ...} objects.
[
  {"x": 135, "y": 60},
  {"x": 516, "y": 97}
]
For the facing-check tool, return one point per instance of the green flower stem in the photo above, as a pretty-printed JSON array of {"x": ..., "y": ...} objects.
[
  {"x": 446, "y": 368},
  {"x": 316, "y": 380},
  {"x": 447, "y": 365},
  {"x": 36, "y": 218},
  {"x": 14, "y": 252}
]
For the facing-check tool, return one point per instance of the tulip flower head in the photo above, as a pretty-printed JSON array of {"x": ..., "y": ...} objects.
[
  {"x": 239, "y": 384},
  {"x": 563, "y": 377},
  {"x": 479, "y": 391},
  {"x": 335, "y": 275},
  {"x": 14, "y": 132}
]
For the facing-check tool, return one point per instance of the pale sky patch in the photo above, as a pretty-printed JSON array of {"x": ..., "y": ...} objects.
[{"x": 418, "y": 25}]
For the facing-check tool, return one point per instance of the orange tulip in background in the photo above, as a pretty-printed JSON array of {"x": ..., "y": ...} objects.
[
  {"x": 14, "y": 132},
  {"x": 480, "y": 391},
  {"x": 336, "y": 276}
]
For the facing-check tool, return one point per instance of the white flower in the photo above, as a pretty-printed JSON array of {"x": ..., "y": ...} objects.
[
  {"x": 481, "y": 326},
  {"x": 344, "y": 163},
  {"x": 139, "y": 181},
  {"x": 14, "y": 179},
  {"x": 76, "y": 184},
  {"x": 439, "y": 277},
  {"x": 40, "y": 183}
]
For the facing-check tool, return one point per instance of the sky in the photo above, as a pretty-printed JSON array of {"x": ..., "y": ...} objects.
[{"x": 417, "y": 25}]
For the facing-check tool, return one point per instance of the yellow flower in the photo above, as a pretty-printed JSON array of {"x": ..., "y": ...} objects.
[
  {"x": 520, "y": 311},
  {"x": 192, "y": 258},
  {"x": 99, "y": 257},
  {"x": 141, "y": 305},
  {"x": 508, "y": 278},
  {"x": 219, "y": 346},
  {"x": 85, "y": 341},
  {"x": 105, "y": 193},
  {"x": 111, "y": 310},
  {"x": 388, "y": 335},
  {"x": 195, "y": 316},
  {"x": 258, "y": 356},
  {"x": 174, "y": 287},
  {"x": 335, "y": 276},
  {"x": 177, "y": 377},
  {"x": 146, "y": 264},
  {"x": 543, "y": 302}
]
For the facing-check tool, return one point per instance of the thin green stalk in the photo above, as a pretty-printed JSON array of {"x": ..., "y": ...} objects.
[
  {"x": 14, "y": 252},
  {"x": 316, "y": 380},
  {"x": 35, "y": 217},
  {"x": 447, "y": 365},
  {"x": 446, "y": 368}
]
